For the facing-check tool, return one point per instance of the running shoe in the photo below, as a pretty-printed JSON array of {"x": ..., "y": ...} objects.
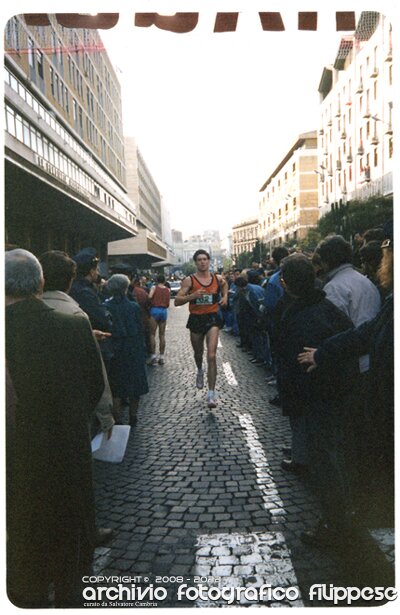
[
  {"x": 200, "y": 379},
  {"x": 161, "y": 360},
  {"x": 211, "y": 403}
]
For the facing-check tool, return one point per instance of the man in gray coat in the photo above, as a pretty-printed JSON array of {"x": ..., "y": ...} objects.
[{"x": 55, "y": 367}]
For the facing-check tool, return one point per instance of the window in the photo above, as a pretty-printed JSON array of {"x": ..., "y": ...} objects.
[
  {"x": 31, "y": 51},
  {"x": 10, "y": 121},
  {"x": 375, "y": 157},
  {"x": 39, "y": 61},
  {"x": 52, "y": 81}
]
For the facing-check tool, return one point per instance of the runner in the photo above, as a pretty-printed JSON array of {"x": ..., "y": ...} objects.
[
  {"x": 205, "y": 292},
  {"x": 159, "y": 296}
]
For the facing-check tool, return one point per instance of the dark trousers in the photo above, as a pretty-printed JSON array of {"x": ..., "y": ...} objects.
[{"x": 326, "y": 450}]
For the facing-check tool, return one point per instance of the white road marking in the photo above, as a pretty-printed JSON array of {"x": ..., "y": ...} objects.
[
  {"x": 264, "y": 480},
  {"x": 230, "y": 376},
  {"x": 230, "y": 559},
  {"x": 219, "y": 343}
]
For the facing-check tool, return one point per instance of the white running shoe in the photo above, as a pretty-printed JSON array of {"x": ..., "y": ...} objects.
[
  {"x": 211, "y": 402},
  {"x": 200, "y": 379}
]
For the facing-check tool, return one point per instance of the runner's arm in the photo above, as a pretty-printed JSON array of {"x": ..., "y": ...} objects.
[{"x": 224, "y": 291}]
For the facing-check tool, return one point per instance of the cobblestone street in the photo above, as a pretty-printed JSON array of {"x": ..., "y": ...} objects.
[{"x": 202, "y": 493}]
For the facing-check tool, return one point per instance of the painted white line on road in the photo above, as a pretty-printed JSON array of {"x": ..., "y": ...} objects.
[
  {"x": 230, "y": 559},
  {"x": 264, "y": 480},
  {"x": 230, "y": 376}
]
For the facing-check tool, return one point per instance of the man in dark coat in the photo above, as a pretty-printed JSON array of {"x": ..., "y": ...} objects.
[
  {"x": 85, "y": 294},
  {"x": 307, "y": 315},
  {"x": 54, "y": 363}
]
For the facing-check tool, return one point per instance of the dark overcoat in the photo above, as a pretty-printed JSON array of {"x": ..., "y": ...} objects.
[
  {"x": 55, "y": 366},
  {"x": 127, "y": 373},
  {"x": 308, "y": 322}
]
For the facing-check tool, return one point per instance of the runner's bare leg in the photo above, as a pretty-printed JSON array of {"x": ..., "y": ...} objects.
[
  {"x": 212, "y": 343},
  {"x": 197, "y": 340}
]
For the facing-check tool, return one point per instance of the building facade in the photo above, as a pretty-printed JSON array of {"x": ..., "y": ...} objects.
[
  {"x": 64, "y": 152},
  {"x": 209, "y": 240},
  {"x": 288, "y": 200},
  {"x": 149, "y": 247},
  {"x": 244, "y": 236},
  {"x": 355, "y": 136}
]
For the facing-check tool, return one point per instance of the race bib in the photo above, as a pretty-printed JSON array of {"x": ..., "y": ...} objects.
[{"x": 205, "y": 300}]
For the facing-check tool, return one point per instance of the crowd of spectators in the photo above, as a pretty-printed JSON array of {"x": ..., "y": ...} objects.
[
  {"x": 320, "y": 325},
  {"x": 322, "y": 329},
  {"x": 76, "y": 352}
]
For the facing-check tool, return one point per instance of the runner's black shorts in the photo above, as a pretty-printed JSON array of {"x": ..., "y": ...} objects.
[{"x": 202, "y": 323}]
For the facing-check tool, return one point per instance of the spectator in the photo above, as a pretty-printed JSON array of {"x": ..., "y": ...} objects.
[
  {"x": 254, "y": 295},
  {"x": 371, "y": 257},
  {"x": 359, "y": 299},
  {"x": 55, "y": 367},
  {"x": 373, "y": 234},
  {"x": 59, "y": 271},
  {"x": 273, "y": 293},
  {"x": 141, "y": 296},
  {"x": 159, "y": 296},
  {"x": 348, "y": 289},
  {"x": 128, "y": 366},
  {"x": 376, "y": 337},
  {"x": 84, "y": 292},
  {"x": 313, "y": 404}
]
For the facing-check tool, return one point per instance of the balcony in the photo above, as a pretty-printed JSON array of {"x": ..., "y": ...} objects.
[
  {"x": 343, "y": 135},
  {"x": 349, "y": 158},
  {"x": 360, "y": 151},
  {"x": 374, "y": 140},
  {"x": 375, "y": 72},
  {"x": 338, "y": 165},
  {"x": 367, "y": 114},
  {"x": 360, "y": 88},
  {"x": 321, "y": 132},
  {"x": 389, "y": 56}
]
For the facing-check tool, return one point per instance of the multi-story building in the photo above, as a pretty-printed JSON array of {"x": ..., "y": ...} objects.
[
  {"x": 244, "y": 236},
  {"x": 355, "y": 134},
  {"x": 288, "y": 201},
  {"x": 64, "y": 152},
  {"x": 148, "y": 247},
  {"x": 209, "y": 241}
]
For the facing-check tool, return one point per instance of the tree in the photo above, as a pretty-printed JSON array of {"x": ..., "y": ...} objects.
[
  {"x": 311, "y": 240},
  {"x": 260, "y": 252},
  {"x": 227, "y": 264},
  {"x": 356, "y": 216},
  {"x": 188, "y": 268},
  {"x": 244, "y": 260}
]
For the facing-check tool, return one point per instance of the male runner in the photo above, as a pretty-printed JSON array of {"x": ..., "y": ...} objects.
[{"x": 204, "y": 292}]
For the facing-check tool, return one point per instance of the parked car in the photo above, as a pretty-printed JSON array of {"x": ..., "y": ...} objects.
[{"x": 175, "y": 285}]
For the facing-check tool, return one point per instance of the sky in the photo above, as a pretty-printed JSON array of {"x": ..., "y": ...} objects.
[{"x": 213, "y": 114}]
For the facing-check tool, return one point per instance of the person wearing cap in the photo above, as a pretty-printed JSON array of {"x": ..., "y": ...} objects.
[{"x": 85, "y": 294}]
